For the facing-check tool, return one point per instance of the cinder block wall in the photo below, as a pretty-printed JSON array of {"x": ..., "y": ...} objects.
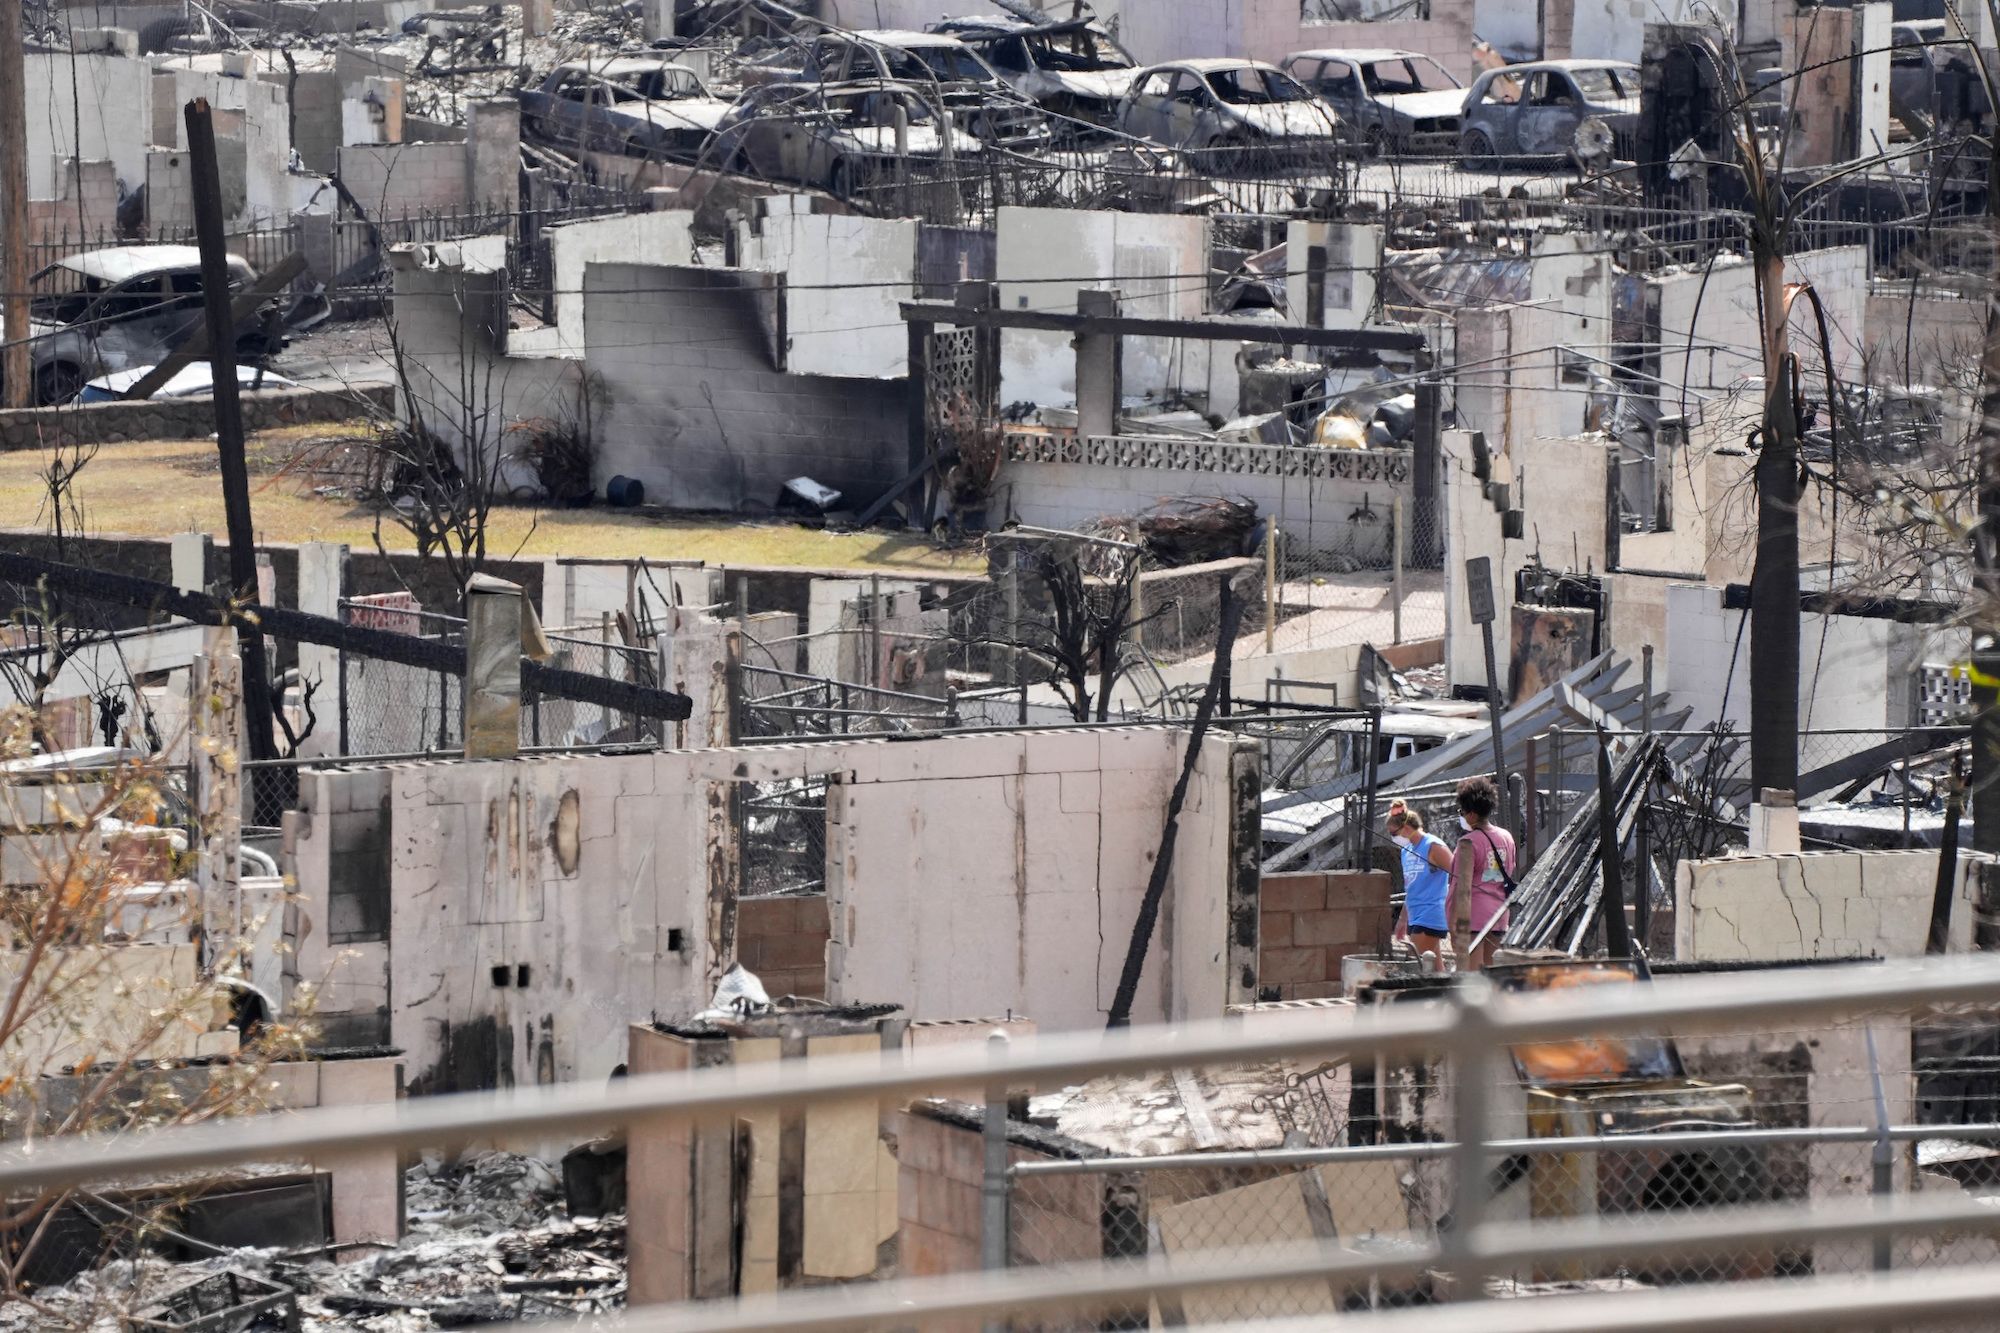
[
  {"x": 1052, "y": 1219},
  {"x": 1307, "y": 923},
  {"x": 782, "y": 938}
]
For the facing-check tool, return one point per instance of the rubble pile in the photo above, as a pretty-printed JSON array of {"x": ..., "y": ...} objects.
[
  {"x": 489, "y": 1243},
  {"x": 1188, "y": 531}
]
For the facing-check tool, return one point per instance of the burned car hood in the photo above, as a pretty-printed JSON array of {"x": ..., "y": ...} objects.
[
  {"x": 692, "y": 113},
  {"x": 1101, "y": 85},
  {"x": 923, "y": 141},
  {"x": 1427, "y": 106},
  {"x": 1289, "y": 120}
]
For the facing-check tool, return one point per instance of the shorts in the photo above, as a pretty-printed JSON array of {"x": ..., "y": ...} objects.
[{"x": 1428, "y": 930}]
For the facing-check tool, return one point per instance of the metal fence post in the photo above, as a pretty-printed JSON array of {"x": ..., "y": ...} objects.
[
  {"x": 1473, "y": 1069},
  {"x": 1396, "y": 568},
  {"x": 993, "y": 1248},
  {"x": 1270, "y": 586},
  {"x": 1882, "y": 1158}
]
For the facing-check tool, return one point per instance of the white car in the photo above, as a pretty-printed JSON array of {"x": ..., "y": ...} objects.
[
  {"x": 1392, "y": 100},
  {"x": 1239, "y": 114},
  {"x": 190, "y": 381}
]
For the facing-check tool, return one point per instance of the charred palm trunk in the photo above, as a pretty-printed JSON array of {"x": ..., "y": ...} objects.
[{"x": 1774, "y": 583}]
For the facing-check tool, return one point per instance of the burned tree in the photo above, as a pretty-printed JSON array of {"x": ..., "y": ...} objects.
[{"x": 1071, "y": 603}]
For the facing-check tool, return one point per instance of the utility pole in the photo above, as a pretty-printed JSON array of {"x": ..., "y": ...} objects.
[
  {"x": 1984, "y": 797},
  {"x": 16, "y": 383},
  {"x": 206, "y": 179}
]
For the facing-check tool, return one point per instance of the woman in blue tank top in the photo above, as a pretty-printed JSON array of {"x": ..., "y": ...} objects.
[{"x": 1426, "y": 879}]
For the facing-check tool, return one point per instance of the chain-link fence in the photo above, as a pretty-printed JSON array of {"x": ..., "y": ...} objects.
[
  {"x": 781, "y": 835},
  {"x": 1366, "y": 573},
  {"x": 1722, "y": 1116},
  {"x": 1385, "y": 1200},
  {"x": 394, "y": 708}
]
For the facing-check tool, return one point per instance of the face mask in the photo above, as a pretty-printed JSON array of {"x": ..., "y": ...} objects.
[
  {"x": 1402, "y": 842},
  {"x": 1463, "y": 825}
]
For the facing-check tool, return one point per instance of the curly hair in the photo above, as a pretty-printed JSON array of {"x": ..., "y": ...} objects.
[{"x": 1477, "y": 796}]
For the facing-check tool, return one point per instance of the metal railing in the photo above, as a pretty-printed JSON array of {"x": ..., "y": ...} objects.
[{"x": 1469, "y": 1032}]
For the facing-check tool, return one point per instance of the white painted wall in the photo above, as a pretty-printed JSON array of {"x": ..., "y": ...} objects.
[
  {"x": 1815, "y": 905},
  {"x": 88, "y": 107},
  {"x": 665, "y": 237},
  {"x": 1611, "y": 29},
  {"x": 1560, "y": 484},
  {"x": 1156, "y": 30},
  {"x": 1509, "y": 26},
  {"x": 844, "y": 279},
  {"x": 1840, "y": 276},
  {"x": 971, "y": 874},
  {"x": 1708, "y": 326},
  {"x": 1509, "y": 362},
  {"x": 1353, "y": 258},
  {"x": 1844, "y": 668},
  {"x": 1871, "y": 48},
  {"x": 1043, "y": 256},
  {"x": 448, "y": 296},
  {"x": 1003, "y": 874}
]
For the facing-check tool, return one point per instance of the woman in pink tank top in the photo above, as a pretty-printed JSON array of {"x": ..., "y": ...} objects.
[{"x": 1481, "y": 865}]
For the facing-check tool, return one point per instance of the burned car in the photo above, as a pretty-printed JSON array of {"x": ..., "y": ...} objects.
[
  {"x": 940, "y": 67},
  {"x": 1581, "y": 109},
  {"x": 1232, "y": 114},
  {"x": 1074, "y": 69},
  {"x": 638, "y": 106},
  {"x": 1934, "y": 80},
  {"x": 108, "y": 310},
  {"x": 1391, "y": 101},
  {"x": 841, "y": 138}
]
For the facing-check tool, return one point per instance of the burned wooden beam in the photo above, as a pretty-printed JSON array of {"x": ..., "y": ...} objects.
[{"x": 384, "y": 645}]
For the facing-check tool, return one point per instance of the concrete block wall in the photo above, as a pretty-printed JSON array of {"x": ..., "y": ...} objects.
[
  {"x": 169, "y": 184},
  {"x": 185, "y": 419},
  {"x": 1860, "y": 904},
  {"x": 493, "y": 154},
  {"x": 395, "y": 180},
  {"x": 316, "y": 99},
  {"x": 662, "y": 237},
  {"x": 1040, "y": 844},
  {"x": 940, "y": 1163},
  {"x": 844, "y": 277},
  {"x": 603, "y": 886},
  {"x": 697, "y": 409},
  {"x": 1308, "y": 922},
  {"x": 1043, "y": 256},
  {"x": 823, "y": 1178},
  {"x": 449, "y": 311},
  {"x": 782, "y": 938},
  {"x": 85, "y": 204}
]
